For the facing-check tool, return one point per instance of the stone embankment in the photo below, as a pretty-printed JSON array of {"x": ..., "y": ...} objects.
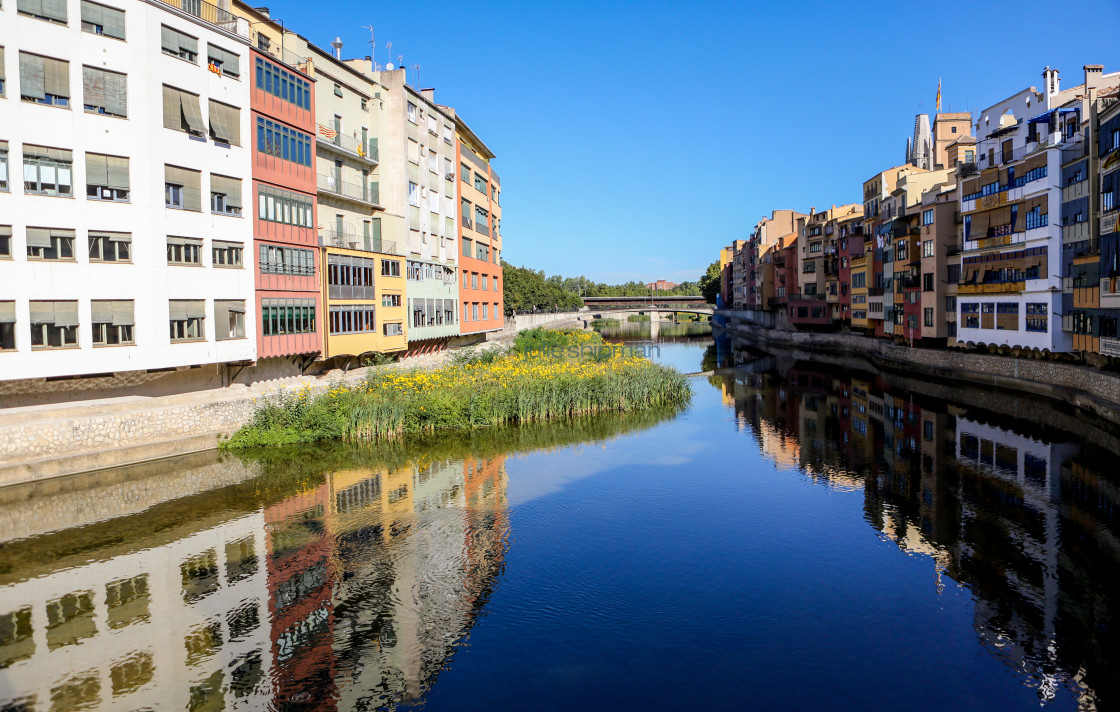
[{"x": 1097, "y": 392}]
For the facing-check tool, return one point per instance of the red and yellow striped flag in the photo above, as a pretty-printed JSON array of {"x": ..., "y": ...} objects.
[{"x": 939, "y": 94}]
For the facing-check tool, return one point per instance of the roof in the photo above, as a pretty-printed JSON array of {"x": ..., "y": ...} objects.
[{"x": 965, "y": 140}]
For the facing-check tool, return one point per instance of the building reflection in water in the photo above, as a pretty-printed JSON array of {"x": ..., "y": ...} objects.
[
  {"x": 1023, "y": 514},
  {"x": 337, "y": 587}
]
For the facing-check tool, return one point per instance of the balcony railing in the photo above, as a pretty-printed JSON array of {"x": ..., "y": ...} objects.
[
  {"x": 803, "y": 297},
  {"x": 1075, "y": 232},
  {"x": 1110, "y": 346},
  {"x": 348, "y": 238},
  {"x": 368, "y": 194},
  {"x": 1074, "y": 191},
  {"x": 208, "y": 12},
  {"x": 349, "y": 144}
]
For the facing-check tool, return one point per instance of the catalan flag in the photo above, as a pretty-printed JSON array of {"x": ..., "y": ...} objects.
[
  {"x": 327, "y": 131},
  {"x": 939, "y": 94}
]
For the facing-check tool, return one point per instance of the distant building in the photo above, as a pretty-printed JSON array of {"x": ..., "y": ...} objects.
[{"x": 661, "y": 285}]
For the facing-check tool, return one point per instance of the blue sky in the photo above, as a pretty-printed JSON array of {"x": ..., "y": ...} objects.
[{"x": 634, "y": 139}]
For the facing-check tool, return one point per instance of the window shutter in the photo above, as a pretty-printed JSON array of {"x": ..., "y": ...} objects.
[
  {"x": 196, "y": 308},
  {"x": 101, "y": 311},
  {"x": 192, "y": 112},
  {"x": 7, "y": 312},
  {"x": 42, "y": 312},
  {"x": 2, "y": 77},
  {"x": 93, "y": 13},
  {"x": 93, "y": 87},
  {"x": 65, "y": 313},
  {"x": 54, "y": 9},
  {"x": 38, "y": 237},
  {"x": 223, "y": 245},
  {"x": 97, "y": 170},
  {"x": 56, "y": 77},
  {"x": 184, "y": 240},
  {"x": 117, "y": 169},
  {"x": 169, "y": 39},
  {"x": 32, "y": 76},
  {"x": 225, "y": 122},
  {"x": 221, "y": 320},
  {"x": 116, "y": 93},
  {"x": 177, "y": 309},
  {"x": 31, "y": 7},
  {"x": 123, "y": 313},
  {"x": 112, "y": 19},
  {"x": 230, "y": 186},
  {"x": 230, "y": 62},
  {"x": 172, "y": 111}
]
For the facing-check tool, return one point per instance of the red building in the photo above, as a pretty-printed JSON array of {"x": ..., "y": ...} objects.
[
  {"x": 284, "y": 228},
  {"x": 849, "y": 247}
]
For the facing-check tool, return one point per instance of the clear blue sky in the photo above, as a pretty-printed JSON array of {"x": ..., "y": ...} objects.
[{"x": 634, "y": 139}]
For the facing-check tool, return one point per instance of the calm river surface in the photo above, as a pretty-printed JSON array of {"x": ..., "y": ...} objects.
[{"x": 806, "y": 536}]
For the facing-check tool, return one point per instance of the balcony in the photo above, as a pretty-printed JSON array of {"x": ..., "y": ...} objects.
[
  {"x": 367, "y": 195},
  {"x": 208, "y": 12},
  {"x": 1108, "y": 222},
  {"x": 1075, "y": 232},
  {"x": 1074, "y": 191},
  {"x": 1110, "y": 346},
  {"x": 1110, "y": 293},
  {"x": 349, "y": 146},
  {"x": 347, "y": 238}
]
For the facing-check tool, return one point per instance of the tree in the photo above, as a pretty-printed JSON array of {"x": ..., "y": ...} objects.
[{"x": 710, "y": 283}]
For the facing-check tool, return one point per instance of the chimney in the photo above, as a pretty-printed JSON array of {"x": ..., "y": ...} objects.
[
  {"x": 1094, "y": 77},
  {"x": 429, "y": 94},
  {"x": 337, "y": 45},
  {"x": 1051, "y": 84},
  {"x": 263, "y": 11}
]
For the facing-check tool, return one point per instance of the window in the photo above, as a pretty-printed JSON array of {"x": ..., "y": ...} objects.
[
  {"x": 927, "y": 316},
  {"x": 184, "y": 251},
  {"x": 282, "y": 83},
  {"x": 179, "y": 44},
  {"x": 390, "y": 300},
  {"x": 3, "y": 144},
  {"x": 187, "y": 319},
  {"x": 474, "y": 311},
  {"x": 464, "y": 172},
  {"x": 224, "y": 62},
  {"x": 225, "y": 123},
  {"x": 225, "y": 195},
  {"x": 6, "y": 241},
  {"x": 44, "y": 243},
  {"x": 48, "y": 171},
  {"x": 412, "y": 112},
  {"x": 927, "y": 282},
  {"x": 182, "y": 188},
  {"x": 280, "y": 141},
  {"x": 352, "y": 319},
  {"x": 287, "y": 316},
  {"x": 227, "y": 254},
  {"x": 927, "y": 248},
  {"x": 50, "y": 10},
  {"x": 484, "y": 282},
  {"x": 480, "y": 183},
  {"x": 275, "y": 205},
  {"x": 485, "y": 310},
  {"x": 286, "y": 260},
  {"x": 474, "y": 280},
  {"x": 102, "y": 20},
  {"x": 7, "y": 326},
  {"x": 393, "y": 328},
  {"x": 107, "y": 178},
  {"x": 496, "y": 283},
  {"x": 390, "y": 268},
  {"x": 181, "y": 111},
  {"x": 467, "y": 245},
  {"x": 953, "y": 274},
  {"x": 816, "y": 247},
  {"x": 481, "y": 220},
  {"x": 104, "y": 92},
  {"x": 413, "y": 193},
  {"x": 112, "y": 322},
  {"x": 110, "y": 246},
  {"x": 1036, "y": 317},
  {"x": 54, "y": 325},
  {"x": 951, "y": 304},
  {"x": 229, "y": 319},
  {"x": 482, "y": 252}
]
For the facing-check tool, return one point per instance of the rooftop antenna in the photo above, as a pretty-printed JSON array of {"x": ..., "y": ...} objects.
[
  {"x": 336, "y": 43},
  {"x": 416, "y": 70},
  {"x": 372, "y": 47}
]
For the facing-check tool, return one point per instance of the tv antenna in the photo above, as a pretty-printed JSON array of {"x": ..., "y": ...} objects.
[
  {"x": 416, "y": 75},
  {"x": 372, "y": 46}
]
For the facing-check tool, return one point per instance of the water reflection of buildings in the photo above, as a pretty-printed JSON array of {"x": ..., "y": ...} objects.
[
  {"x": 1028, "y": 522},
  {"x": 348, "y": 592}
]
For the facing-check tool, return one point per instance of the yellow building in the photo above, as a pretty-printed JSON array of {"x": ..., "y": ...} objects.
[{"x": 365, "y": 296}]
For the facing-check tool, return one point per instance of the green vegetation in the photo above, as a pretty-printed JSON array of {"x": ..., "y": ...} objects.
[
  {"x": 527, "y": 289},
  {"x": 605, "y": 322},
  {"x": 638, "y": 317},
  {"x": 709, "y": 282},
  {"x": 547, "y": 375}
]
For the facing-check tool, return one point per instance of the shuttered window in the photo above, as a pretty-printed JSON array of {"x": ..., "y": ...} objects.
[
  {"x": 182, "y": 188},
  {"x": 54, "y": 325},
  {"x": 184, "y": 251},
  {"x": 110, "y": 246},
  {"x": 225, "y": 195},
  {"x": 113, "y": 322},
  {"x": 7, "y": 325},
  {"x": 106, "y": 177},
  {"x": 3, "y": 77},
  {"x": 104, "y": 92},
  {"x": 228, "y": 62},
  {"x": 44, "y": 80},
  {"x": 225, "y": 123},
  {"x": 48, "y": 171},
  {"x": 178, "y": 44},
  {"x": 5, "y": 241},
  {"x": 53, "y": 10},
  {"x": 102, "y": 20},
  {"x": 229, "y": 319},
  {"x": 45, "y": 243},
  {"x": 187, "y": 319},
  {"x": 181, "y": 111}
]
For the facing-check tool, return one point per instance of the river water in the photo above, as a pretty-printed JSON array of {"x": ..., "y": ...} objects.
[{"x": 805, "y": 536}]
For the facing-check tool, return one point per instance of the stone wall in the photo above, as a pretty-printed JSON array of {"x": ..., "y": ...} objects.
[{"x": 1092, "y": 390}]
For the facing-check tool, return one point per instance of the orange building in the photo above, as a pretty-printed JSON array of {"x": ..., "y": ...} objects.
[{"x": 480, "y": 265}]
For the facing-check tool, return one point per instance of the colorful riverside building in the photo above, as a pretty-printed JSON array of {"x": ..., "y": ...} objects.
[
  {"x": 1025, "y": 221},
  {"x": 283, "y": 202},
  {"x": 480, "y": 265},
  {"x": 122, "y": 241}
]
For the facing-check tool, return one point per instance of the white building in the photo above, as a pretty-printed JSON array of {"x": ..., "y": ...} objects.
[
  {"x": 1014, "y": 233},
  {"x": 126, "y": 249}
]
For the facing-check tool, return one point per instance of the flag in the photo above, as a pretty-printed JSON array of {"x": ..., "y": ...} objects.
[
  {"x": 214, "y": 68},
  {"x": 939, "y": 94},
  {"x": 326, "y": 131}
]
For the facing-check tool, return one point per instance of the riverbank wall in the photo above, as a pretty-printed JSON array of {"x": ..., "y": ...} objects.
[{"x": 1085, "y": 388}]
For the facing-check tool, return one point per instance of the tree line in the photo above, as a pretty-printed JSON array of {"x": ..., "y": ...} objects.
[{"x": 528, "y": 290}]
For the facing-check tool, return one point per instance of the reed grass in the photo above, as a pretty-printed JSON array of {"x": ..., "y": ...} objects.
[{"x": 547, "y": 375}]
